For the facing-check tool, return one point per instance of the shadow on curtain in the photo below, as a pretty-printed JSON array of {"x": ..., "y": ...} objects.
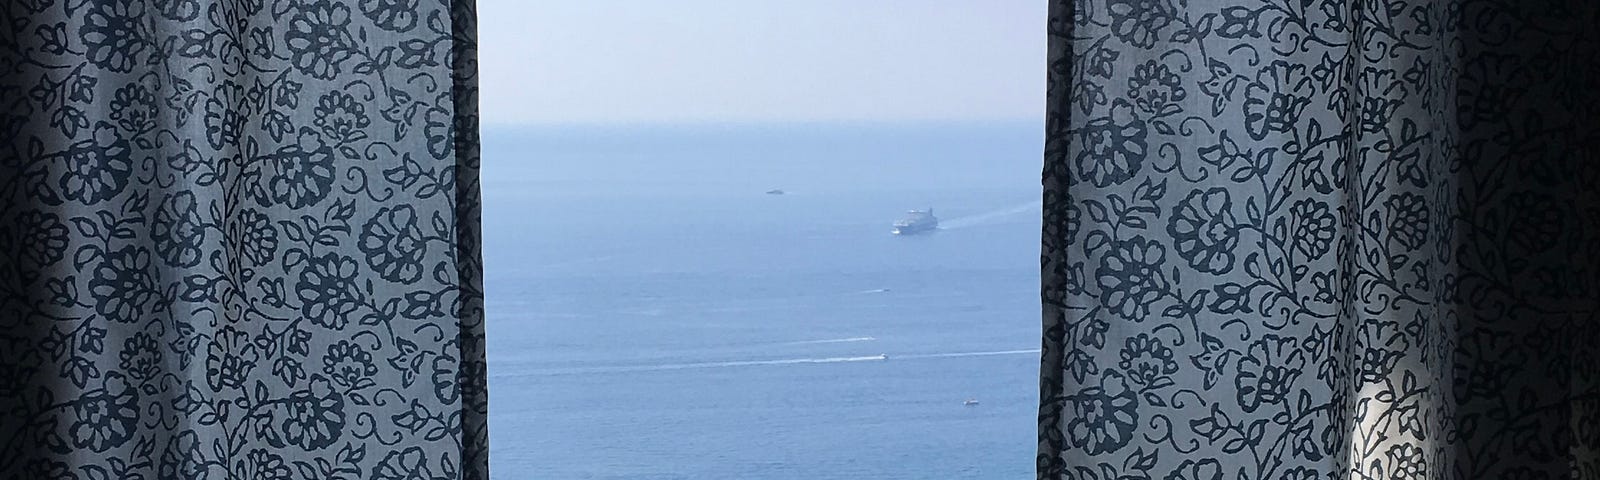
[{"x": 1321, "y": 239}]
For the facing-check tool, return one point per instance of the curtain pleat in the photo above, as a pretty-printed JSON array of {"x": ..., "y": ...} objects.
[
  {"x": 240, "y": 239},
  {"x": 1312, "y": 239}
]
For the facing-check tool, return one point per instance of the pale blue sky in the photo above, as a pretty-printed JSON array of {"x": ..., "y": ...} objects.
[{"x": 675, "y": 61}]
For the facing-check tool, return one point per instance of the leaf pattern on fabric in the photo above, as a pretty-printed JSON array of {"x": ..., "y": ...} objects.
[
  {"x": 239, "y": 239},
  {"x": 1321, "y": 239}
]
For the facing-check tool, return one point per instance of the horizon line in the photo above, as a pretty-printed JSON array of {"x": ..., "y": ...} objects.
[{"x": 705, "y": 123}]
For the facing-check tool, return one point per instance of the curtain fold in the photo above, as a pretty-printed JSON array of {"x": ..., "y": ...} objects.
[
  {"x": 240, "y": 239},
  {"x": 1308, "y": 239}
]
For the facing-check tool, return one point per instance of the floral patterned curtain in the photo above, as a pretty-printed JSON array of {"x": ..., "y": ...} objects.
[
  {"x": 239, "y": 239},
  {"x": 1321, "y": 239}
]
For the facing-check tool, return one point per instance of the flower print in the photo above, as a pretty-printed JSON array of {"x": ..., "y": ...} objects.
[
  {"x": 348, "y": 365},
  {"x": 312, "y": 419},
  {"x": 1274, "y": 102},
  {"x": 393, "y": 244},
  {"x": 445, "y": 385},
  {"x": 229, "y": 358},
  {"x": 177, "y": 230},
  {"x": 1204, "y": 469},
  {"x": 1490, "y": 87},
  {"x": 1408, "y": 219},
  {"x": 1225, "y": 153},
  {"x": 82, "y": 88},
  {"x": 123, "y": 284},
  {"x": 252, "y": 232},
  {"x": 1406, "y": 462},
  {"x": 340, "y": 116},
  {"x": 113, "y": 34},
  {"x": 1300, "y": 473},
  {"x": 276, "y": 124},
  {"x": 52, "y": 38},
  {"x": 177, "y": 10},
  {"x": 1537, "y": 224},
  {"x": 286, "y": 93},
  {"x": 1102, "y": 62},
  {"x": 1377, "y": 359},
  {"x": 1313, "y": 229},
  {"x": 408, "y": 464},
  {"x": 1113, "y": 147},
  {"x": 98, "y": 168},
  {"x": 224, "y": 119},
  {"x": 1103, "y": 417},
  {"x": 1267, "y": 371},
  {"x": 261, "y": 41},
  {"x": 1140, "y": 22},
  {"x": 319, "y": 38},
  {"x": 417, "y": 53},
  {"x": 1325, "y": 74},
  {"x": 44, "y": 237},
  {"x": 184, "y": 459},
  {"x": 327, "y": 288},
  {"x": 470, "y": 367},
  {"x": 302, "y": 174},
  {"x": 1205, "y": 231},
  {"x": 392, "y": 15},
  {"x": 134, "y": 108},
  {"x": 1147, "y": 361},
  {"x": 1377, "y": 104},
  {"x": 1075, "y": 278},
  {"x": 105, "y": 419},
  {"x": 1155, "y": 88},
  {"x": 46, "y": 469},
  {"x": 1130, "y": 277},
  {"x": 439, "y": 128},
  {"x": 1334, "y": 13},
  {"x": 259, "y": 464},
  {"x": 141, "y": 356},
  {"x": 1322, "y": 287}
]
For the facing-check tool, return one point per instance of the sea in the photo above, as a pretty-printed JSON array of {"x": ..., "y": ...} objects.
[{"x": 655, "y": 313}]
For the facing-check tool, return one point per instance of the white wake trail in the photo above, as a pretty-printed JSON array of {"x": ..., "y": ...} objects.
[
  {"x": 757, "y": 363},
  {"x": 687, "y": 366},
  {"x": 991, "y": 216},
  {"x": 970, "y": 354}
]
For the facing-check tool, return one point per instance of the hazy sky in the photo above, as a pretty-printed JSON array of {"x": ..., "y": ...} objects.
[{"x": 629, "y": 61}]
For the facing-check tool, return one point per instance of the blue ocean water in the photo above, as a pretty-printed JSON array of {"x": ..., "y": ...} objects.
[{"x": 653, "y": 314}]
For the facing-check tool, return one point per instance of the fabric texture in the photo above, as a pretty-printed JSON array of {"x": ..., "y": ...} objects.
[
  {"x": 239, "y": 239},
  {"x": 1321, "y": 239}
]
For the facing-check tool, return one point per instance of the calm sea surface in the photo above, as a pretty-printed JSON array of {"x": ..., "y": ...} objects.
[{"x": 653, "y": 314}]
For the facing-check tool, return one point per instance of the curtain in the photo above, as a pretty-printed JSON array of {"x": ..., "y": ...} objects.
[
  {"x": 1321, "y": 239},
  {"x": 239, "y": 239}
]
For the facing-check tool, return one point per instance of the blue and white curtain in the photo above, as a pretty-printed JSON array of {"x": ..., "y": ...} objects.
[
  {"x": 1321, "y": 239},
  {"x": 239, "y": 239}
]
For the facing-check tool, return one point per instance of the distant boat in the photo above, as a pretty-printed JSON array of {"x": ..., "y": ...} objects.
[
  {"x": 775, "y": 192},
  {"x": 883, "y": 357},
  {"x": 916, "y": 221},
  {"x": 970, "y": 403}
]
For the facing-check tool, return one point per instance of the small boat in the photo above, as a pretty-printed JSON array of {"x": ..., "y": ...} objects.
[
  {"x": 970, "y": 403},
  {"x": 775, "y": 192},
  {"x": 883, "y": 357}
]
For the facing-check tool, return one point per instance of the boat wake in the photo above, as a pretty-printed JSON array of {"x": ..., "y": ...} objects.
[
  {"x": 990, "y": 216},
  {"x": 688, "y": 366},
  {"x": 758, "y": 363},
  {"x": 970, "y": 354}
]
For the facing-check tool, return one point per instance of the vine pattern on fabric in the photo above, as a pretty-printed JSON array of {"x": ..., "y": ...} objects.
[
  {"x": 1320, "y": 239},
  {"x": 238, "y": 240}
]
